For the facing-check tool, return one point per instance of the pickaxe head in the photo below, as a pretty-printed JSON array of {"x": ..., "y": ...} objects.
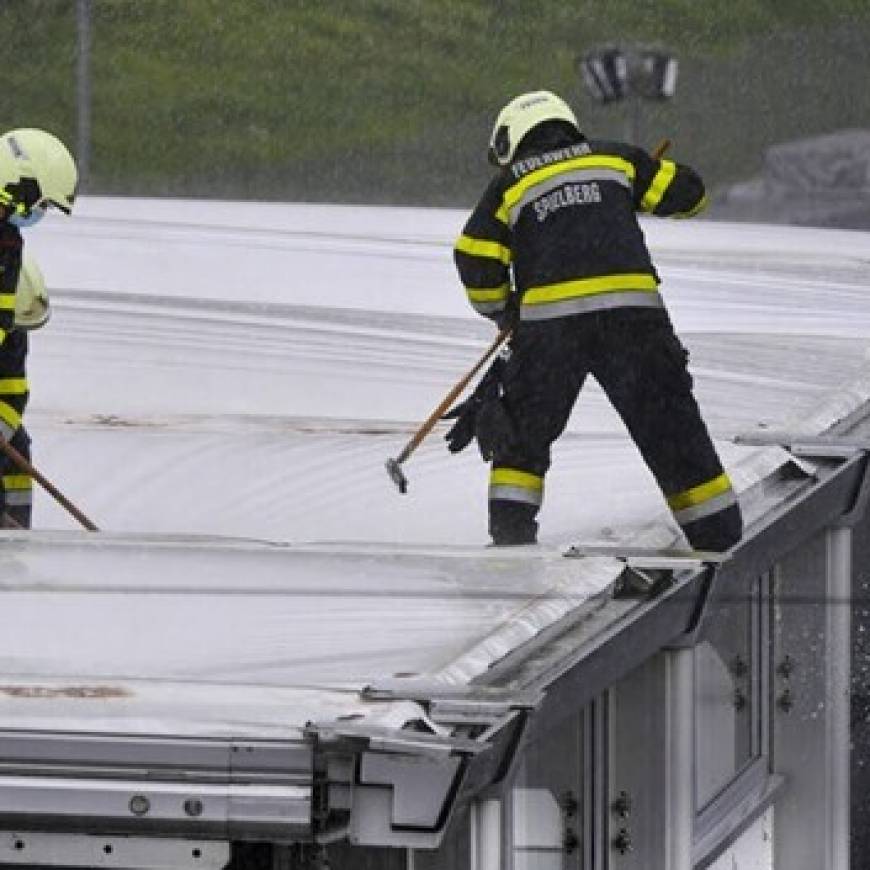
[{"x": 397, "y": 475}]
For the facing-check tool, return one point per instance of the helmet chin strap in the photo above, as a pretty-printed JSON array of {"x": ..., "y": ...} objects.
[
  {"x": 24, "y": 218},
  {"x": 18, "y": 200}
]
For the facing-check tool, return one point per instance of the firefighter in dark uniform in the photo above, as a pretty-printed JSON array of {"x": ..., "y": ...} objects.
[
  {"x": 561, "y": 214},
  {"x": 31, "y": 312},
  {"x": 37, "y": 172}
]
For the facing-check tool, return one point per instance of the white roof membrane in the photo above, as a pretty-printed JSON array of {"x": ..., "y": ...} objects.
[{"x": 218, "y": 389}]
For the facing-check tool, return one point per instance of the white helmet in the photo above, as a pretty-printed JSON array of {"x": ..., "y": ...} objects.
[
  {"x": 519, "y": 116},
  {"x": 36, "y": 168},
  {"x": 31, "y": 298}
]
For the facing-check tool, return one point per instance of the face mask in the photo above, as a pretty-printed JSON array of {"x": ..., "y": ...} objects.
[{"x": 37, "y": 213}]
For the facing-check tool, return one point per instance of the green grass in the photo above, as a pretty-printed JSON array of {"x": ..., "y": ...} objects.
[{"x": 392, "y": 100}]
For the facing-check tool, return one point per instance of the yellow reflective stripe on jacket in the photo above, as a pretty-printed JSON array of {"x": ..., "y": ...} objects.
[
  {"x": 659, "y": 186},
  {"x": 14, "y": 386},
  {"x": 693, "y": 211},
  {"x": 9, "y": 415},
  {"x": 7, "y": 301},
  {"x": 488, "y": 294},
  {"x": 570, "y": 180},
  {"x": 484, "y": 248},
  {"x": 588, "y": 287},
  {"x": 699, "y": 494},
  {"x": 17, "y": 481},
  {"x": 590, "y": 161}
]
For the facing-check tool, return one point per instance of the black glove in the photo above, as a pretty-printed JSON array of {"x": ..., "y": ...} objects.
[
  {"x": 509, "y": 316},
  {"x": 462, "y": 431},
  {"x": 494, "y": 429},
  {"x": 466, "y": 413}
]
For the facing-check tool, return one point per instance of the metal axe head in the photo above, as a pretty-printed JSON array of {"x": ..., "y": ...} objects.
[{"x": 396, "y": 474}]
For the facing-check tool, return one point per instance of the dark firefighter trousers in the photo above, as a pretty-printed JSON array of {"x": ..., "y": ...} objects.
[
  {"x": 641, "y": 365},
  {"x": 16, "y": 487}
]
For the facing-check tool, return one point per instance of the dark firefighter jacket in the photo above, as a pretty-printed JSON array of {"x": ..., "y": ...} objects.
[
  {"x": 564, "y": 220},
  {"x": 13, "y": 342}
]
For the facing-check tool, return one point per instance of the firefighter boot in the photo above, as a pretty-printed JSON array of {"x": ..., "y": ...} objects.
[{"x": 512, "y": 523}]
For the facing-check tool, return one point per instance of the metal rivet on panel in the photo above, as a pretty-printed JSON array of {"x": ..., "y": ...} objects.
[
  {"x": 621, "y": 806},
  {"x": 193, "y": 807},
  {"x": 622, "y": 842},
  {"x": 139, "y": 805}
]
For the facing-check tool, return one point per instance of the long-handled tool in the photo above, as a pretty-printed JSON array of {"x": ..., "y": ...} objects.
[
  {"x": 659, "y": 151},
  {"x": 394, "y": 466},
  {"x": 47, "y": 485}
]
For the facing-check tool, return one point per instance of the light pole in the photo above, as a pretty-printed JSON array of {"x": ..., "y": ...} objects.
[
  {"x": 632, "y": 74},
  {"x": 83, "y": 91}
]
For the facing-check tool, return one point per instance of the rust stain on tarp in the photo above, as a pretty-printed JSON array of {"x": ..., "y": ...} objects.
[{"x": 86, "y": 692}]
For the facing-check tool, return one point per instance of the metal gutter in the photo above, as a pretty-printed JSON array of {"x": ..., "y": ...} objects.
[
  {"x": 400, "y": 786},
  {"x": 606, "y": 639},
  {"x": 373, "y": 783}
]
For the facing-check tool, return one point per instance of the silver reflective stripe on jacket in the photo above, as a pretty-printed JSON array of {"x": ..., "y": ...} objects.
[
  {"x": 596, "y": 302},
  {"x": 576, "y": 176},
  {"x": 489, "y": 307}
]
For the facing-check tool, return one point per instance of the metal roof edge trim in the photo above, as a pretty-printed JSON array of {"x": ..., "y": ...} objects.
[
  {"x": 550, "y": 611},
  {"x": 572, "y": 587},
  {"x": 660, "y": 623}
]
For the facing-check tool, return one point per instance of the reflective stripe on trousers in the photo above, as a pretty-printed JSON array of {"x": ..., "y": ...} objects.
[
  {"x": 703, "y": 500},
  {"x": 513, "y": 484},
  {"x": 18, "y": 489}
]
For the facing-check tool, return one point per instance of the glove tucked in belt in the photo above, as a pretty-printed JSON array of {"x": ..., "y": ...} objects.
[{"x": 483, "y": 416}]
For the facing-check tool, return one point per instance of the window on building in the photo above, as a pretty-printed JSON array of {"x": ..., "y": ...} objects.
[
  {"x": 545, "y": 811},
  {"x": 729, "y": 673}
]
